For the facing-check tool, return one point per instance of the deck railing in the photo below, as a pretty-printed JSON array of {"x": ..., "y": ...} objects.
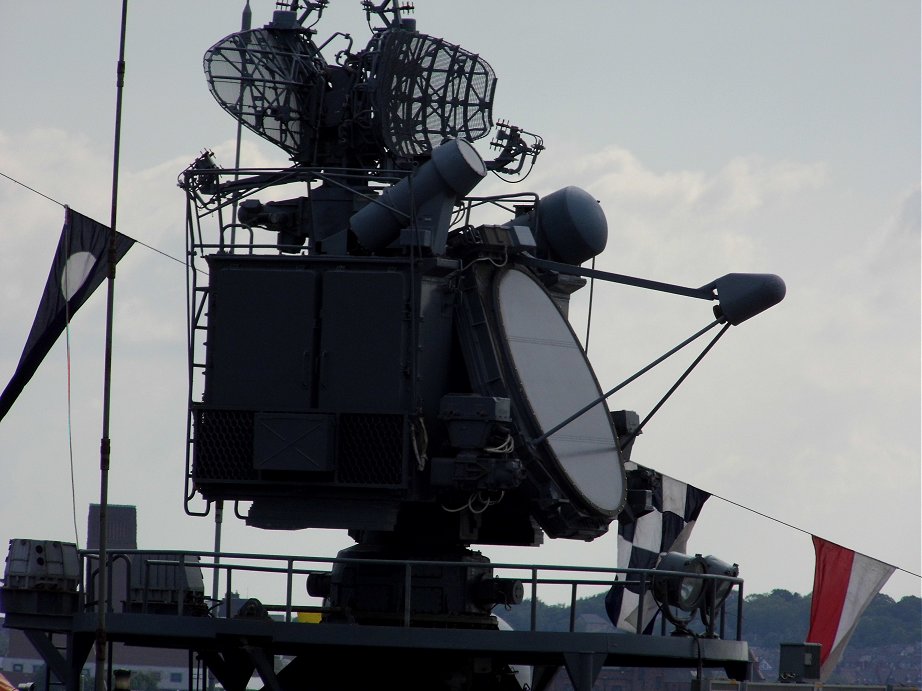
[{"x": 285, "y": 599}]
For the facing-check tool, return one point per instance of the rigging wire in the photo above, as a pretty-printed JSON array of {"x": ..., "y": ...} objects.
[
  {"x": 63, "y": 205},
  {"x": 589, "y": 315},
  {"x": 633, "y": 435},
  {"x": 762, "y": 514},
  {"x": 799, "y": 529},
  {"x": 70, "y": 437},
  {"x": 159, "y": 251},
  {"x": 32, "y": 189},
  {"x": 70, "y": 432}
]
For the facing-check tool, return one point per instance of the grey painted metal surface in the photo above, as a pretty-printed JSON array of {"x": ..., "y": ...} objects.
[
  {"x": 334, "y": 649},
  {"x": 234, "y": 642},
  {"x": 555, "y": 378}
]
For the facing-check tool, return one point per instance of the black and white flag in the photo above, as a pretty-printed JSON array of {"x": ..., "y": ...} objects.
[
  {"x": 80, "y": 265},
  {"x": 641, "y": 541}
]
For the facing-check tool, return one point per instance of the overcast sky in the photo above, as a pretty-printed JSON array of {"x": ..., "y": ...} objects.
[{"x": 719, "y": 137}]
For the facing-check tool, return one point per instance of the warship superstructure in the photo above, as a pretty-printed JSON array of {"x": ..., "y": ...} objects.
[{"x": 365, "y": 355}]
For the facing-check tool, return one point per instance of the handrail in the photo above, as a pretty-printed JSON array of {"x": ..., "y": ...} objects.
[{"x": 287, "y": 567}]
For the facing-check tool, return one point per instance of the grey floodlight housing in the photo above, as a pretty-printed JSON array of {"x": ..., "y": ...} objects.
[
  {"x": 684, "y": 586},
  {"x": 685, "y": 589}
]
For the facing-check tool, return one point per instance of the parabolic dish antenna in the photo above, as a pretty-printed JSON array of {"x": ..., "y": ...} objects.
[
  {"x": 427, "y": 89},
  {"x": 267, "y": 80},
  {"x": 554, "y": 379},
  {"x": 406, "y": 92}
]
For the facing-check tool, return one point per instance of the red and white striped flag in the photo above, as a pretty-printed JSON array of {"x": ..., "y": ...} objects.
[{"x": 844, "y": 583}]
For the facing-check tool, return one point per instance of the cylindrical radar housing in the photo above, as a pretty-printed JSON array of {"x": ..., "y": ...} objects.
[
  {"x": 569, "y": 225},
  {"x": 743, "y": 296},
  {"x": 454, "y": 170}
]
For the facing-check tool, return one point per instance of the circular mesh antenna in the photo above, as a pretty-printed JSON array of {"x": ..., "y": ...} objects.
[
  {"x": 265, "y": 78},
  {"x": 427, "y": 89},
  {"x": 555, "y": 380}
]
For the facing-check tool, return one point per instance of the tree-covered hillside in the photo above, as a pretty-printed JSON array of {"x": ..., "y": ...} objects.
[
  {"x": 768, "y": 619},
  {"x": 782, "y": 617}
]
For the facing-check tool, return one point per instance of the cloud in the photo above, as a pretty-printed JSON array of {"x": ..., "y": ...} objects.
[
  {"x": 668, "y": 222},
  {"x": 742, "y": 185},
  {"x": 865, "y": 303},
  {"x": 909, "y": 219}
]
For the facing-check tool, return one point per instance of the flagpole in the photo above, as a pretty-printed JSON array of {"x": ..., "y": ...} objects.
[{"x": 104, "y": 444}]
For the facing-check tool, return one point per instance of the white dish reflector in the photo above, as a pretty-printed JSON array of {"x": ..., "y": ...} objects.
[{"x": 555, "y": 380}]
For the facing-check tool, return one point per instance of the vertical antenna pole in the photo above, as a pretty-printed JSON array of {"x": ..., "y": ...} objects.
[
  {"x": 215, "y": 576},
  {"x": 246, "y": 20},
  {"x": 104, "y": 444},
  {"x": 589, "y": 315}
]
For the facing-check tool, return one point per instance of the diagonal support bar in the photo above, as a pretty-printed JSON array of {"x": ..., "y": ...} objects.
[
  {"x": 584, "y": 669},
  {"x": 264, "y": 667},
  {"x": 610, "y": 392},
  {"x": 231, "y": 669},
  {"x": 702, "y": 293},
  {"x": 66, "y": 669},
  {"x": 633, "y": 435}
]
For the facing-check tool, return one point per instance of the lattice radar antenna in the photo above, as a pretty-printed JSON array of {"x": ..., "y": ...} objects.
[
  {"x": 399, "y": 98},
  {"x": 384, "y": 367}
]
